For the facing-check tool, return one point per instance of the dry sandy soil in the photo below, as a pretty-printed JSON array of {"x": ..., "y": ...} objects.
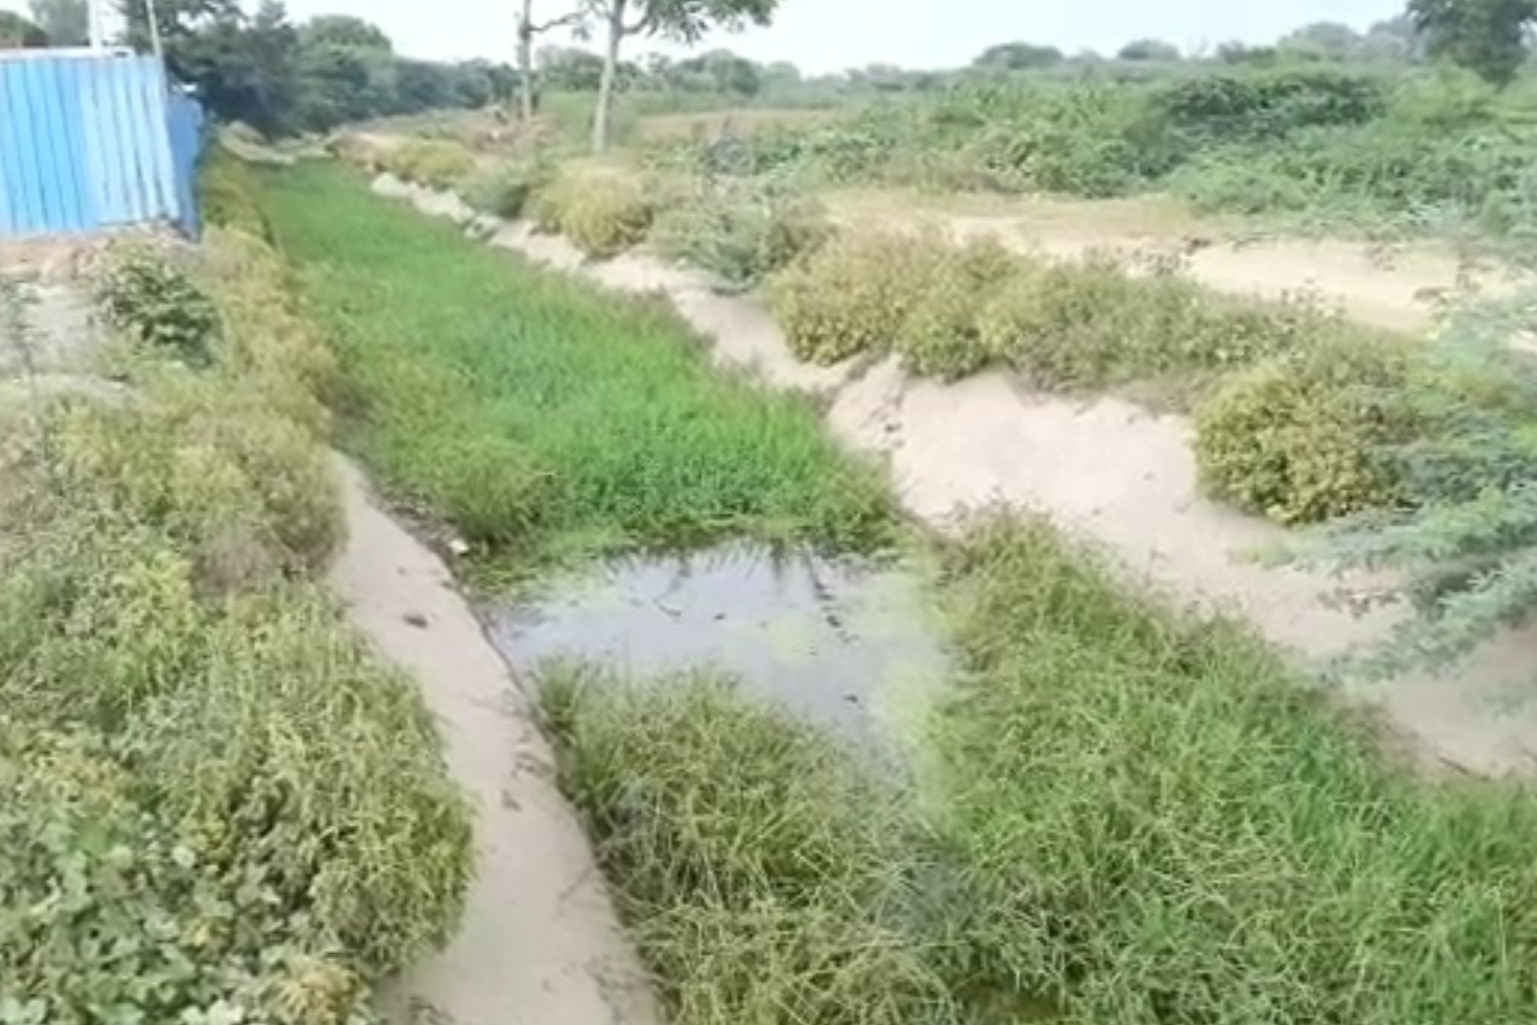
[
  {"x": 539, "y": 943},
  {"x": 1112, "y": 471}
]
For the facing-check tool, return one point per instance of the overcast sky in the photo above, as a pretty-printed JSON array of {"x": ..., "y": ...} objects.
[{"x": 831, "y": 35}]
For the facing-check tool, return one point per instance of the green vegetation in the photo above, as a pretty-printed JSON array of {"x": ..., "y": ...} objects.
[
  {"x": 741, "y": 231},
  {"x": 542, "y": 416},
  {"x": 603, "y": 212},
  {"x": 1304, "y": 437},
  {"x": 506, "y": 189},
  {"x": 1137, "y": 816},
  {"x": 436, "y": 163},
  {"x": 761, "y": 873},
  {"x": 214, "y": 802}
]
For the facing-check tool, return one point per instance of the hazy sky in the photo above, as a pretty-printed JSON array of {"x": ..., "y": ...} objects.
[{"x": 830, "y": 35}]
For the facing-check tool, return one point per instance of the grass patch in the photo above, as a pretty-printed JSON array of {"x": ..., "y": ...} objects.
[
  {"x": 1139, "y": 814},
  {"x": 542, "y": 416},
  {"x": 214, "y": 800},
  {"x": 763, "y": 875},
  {"x": 436, "y": 163}
]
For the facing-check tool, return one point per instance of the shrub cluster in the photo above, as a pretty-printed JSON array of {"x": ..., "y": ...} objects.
[
  {"x": 435, "y": 163},
  {"x": 1304, "y": 437},
  {"x": 215, "y": 804},
  {"x": 506, "y": 189},
  {"x": 853, "y": 294},
  {"x": 603, "y": 212},
  {"x": 740, "y": 230},
  {"x": 150, "y": 298}
]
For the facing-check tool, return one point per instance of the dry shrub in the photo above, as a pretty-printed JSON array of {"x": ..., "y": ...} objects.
[
  {"x": 505, "y": 190},
  {"x": 435, "y": 163},
  {"x": 941, "y": 336},
  {"x": 741, "y": 231},
  {"x": 853, "y": 294},
  {"x": 1301, "y": 438},
  {"x": 1094, "y": 323},
  {"x": 603, "y": 212}
]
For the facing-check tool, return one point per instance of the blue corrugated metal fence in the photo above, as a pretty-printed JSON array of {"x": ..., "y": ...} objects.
[{"x": 91, "y": 141}]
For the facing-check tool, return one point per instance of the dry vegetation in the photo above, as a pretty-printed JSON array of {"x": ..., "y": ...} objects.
[{"x": 215, "y": 800}]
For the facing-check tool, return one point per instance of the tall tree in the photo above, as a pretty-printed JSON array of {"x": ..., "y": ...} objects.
[
  {"x": 683, "y": 21},
  {"x": 1149, "y": 50},
  {"x": 18, "y": 33},
  {"x": 528, "y": 29},
  {"x": 1485, "y": 36},
  {"x": 64, "y": 22},
  {"x": 1017, "y": 57}
]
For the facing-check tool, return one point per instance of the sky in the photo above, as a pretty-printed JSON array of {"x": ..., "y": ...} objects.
[{"x": 832, "y": 35}]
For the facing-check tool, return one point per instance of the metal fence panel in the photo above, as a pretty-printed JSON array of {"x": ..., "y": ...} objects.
[{"x": 92, "y": 140}]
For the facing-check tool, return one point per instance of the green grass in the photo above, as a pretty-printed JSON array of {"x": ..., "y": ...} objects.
[
  {"x": 541, "y": 416},
  {"x": 1137, "y": 813}
]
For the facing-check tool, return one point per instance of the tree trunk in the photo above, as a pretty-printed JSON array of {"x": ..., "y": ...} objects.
[
  {"x": 526, "y": 59},
  {"x": 603, "y": 114}
]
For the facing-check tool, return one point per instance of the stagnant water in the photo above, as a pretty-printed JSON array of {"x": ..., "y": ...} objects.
[{"x": 847, "y": 644}]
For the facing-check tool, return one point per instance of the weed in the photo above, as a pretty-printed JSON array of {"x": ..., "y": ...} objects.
[
  {"x": 623, "y": 434},
  {"x": 151, "y": 299},
  {"x": 227, "y": 194},
  {"x": 1303, "y": 438},
  {"x": 214, "y": 802},
  {"x": 941, "y": 336},
  {"x": 853, "y": 294},
  {"x": 1162, "y": 826},
  {"x": 742, "y": 232},
  {"x": 436, "y": 163},
  {"x": 759, "y": 868},
  {"x": 603, "y": 212},
  {"x": 505, "y": 190}
]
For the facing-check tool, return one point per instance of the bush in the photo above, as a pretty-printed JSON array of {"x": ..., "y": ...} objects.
[
  {"x": 853, "y": 294},
  {"x": 1302, "y": 438},
  {"x": 214, "y": 802},
  {"x": 1093, "y": 324},
  {"x": 152, "y": 300},
  {"x": 505, "y": 190},
  {"x": 602, "y": 212},
  {"x": 227, "y": 194},
  {"x": 437, "y": 164},
  {"x": 741, "y": 231},
  {"x": 941, "y": 336}
]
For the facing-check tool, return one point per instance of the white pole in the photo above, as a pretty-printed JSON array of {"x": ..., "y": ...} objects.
[
  {"x": 154, "y": 29},
  {"x": 98, "y": 33}
]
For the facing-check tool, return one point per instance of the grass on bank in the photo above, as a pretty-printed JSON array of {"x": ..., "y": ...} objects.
[
  {"x": 540, "y": 415},
  {"x": 1135, "y": 814},
  {"x": 215, "y": 803}
]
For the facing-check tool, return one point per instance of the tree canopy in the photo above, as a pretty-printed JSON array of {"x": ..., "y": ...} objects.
[
  {"x": 1017, "y": 56},
  {"x": 63, "y": 22},
  {"x": 1487, "y": 37},
  {"x": 280, "y": 77},
  {"x": 17, "y": 32}
]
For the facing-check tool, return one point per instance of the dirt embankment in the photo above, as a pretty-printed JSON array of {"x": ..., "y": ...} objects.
[
  {"x": 1112, "y": 471},
  {"x": 540, "y": 943}
]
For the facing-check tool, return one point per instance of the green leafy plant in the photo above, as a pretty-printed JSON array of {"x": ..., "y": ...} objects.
[
  {"x": 853, "y": 294},
  {"x": 1302, "y": 438},
  {"x": 147, "y": 296},
  {"x": 505, "y": 190},
  {"x": 741, "y": 231},
  {"x": 941, "y": 336},
  {"x": 435, "y": 163}
]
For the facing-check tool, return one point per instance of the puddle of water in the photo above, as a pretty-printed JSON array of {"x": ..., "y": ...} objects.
[{"x": 847, "y": 644}]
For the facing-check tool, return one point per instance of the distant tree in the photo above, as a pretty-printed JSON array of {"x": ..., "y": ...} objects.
[
  {"x": 1485, "y": 36},
  {"x": 423, "y": 85},
  {"x": 64, "y": 22},
  {"x": 570, "y": 68},
  {"x": 727, "y": 72},
  {"x": 1329, "y": 39},
  {"x": 1395, "y": 38},
  {"x": 684, "y": 21},
  {"x": 18, "y": 33},
  {"x": 344, "y": 30},
  {"x": 1240, "y": 53},
  {"x": 1017, "y": 57},
  {"x": 1149, "y": 50}
]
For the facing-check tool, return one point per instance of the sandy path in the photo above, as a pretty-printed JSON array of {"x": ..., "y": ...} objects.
[
  {"x": 1110, "y": 470},
  {"x": 539, "y": 943}
]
